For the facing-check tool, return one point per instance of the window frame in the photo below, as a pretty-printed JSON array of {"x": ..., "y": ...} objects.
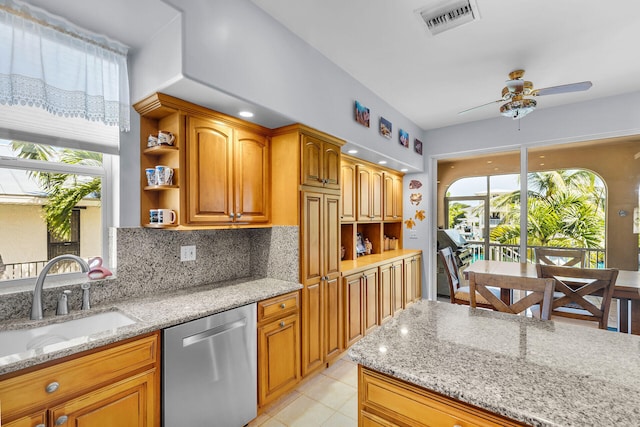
[{"x": 107, "y": 173}]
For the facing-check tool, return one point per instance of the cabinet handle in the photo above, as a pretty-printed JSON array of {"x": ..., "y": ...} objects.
[
  {"x": 52, "y": 387},
  {"x": 283, "y": 305},
  {"x": 61, "y": 420},
  {"x": 238, "y": 215},
  {"x": 232, "y": 215},
  {"x": 282, "y": 324},
  {"x": 41, "y": 425}
]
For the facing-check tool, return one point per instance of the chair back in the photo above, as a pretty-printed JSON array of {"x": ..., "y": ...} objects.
[
  {"x": 451, "y": 269},
  {"x": 538, "y": 291},
  {"x": 561, "y": 256},
  {"x": 581, "y": 293}
]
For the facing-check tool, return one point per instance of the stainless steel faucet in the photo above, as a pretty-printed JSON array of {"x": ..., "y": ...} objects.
[{"x": 36, "y": 305}]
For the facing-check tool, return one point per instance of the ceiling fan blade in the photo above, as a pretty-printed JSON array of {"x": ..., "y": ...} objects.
[
  {"x": 554, "y": 90},
  {"x": 480, "y": 106}
]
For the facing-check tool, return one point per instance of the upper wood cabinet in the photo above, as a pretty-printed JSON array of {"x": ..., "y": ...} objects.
[
  {"x": 228, "y": 174},
  {"x": 320, "y": 163},
  {"x": 392, "y": 196},
  {"x": 221, "y": 166},
  {"x": 369, "y": 201},
  {"x": 348, "y": 194}
]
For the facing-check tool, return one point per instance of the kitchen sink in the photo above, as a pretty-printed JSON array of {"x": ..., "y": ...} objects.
[{"x": 63, "y": 334}]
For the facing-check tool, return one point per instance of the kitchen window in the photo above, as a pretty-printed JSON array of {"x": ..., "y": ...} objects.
[{"x": 53, "y": 200}]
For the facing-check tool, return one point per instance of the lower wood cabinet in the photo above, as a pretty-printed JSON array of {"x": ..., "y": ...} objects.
[
  {"x": 360, "y": 304},
  {"x": 117, "y": 385},
  {"x": 390, "y": 289},
  {"x": 412, "y": 279},
  {"x": 387, "y": 401},
  {"x": 278, "y": 346}
]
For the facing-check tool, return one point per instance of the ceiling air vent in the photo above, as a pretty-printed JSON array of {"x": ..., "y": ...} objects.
[{"x": 449, "y": 15}]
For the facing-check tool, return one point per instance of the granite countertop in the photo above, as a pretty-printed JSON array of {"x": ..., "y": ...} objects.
[
  {"x": 542, "y": 373},
  {"x": 152, "y": 313}
]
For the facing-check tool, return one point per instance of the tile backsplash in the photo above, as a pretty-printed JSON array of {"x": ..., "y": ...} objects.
[{"x": 148, "y": 262}]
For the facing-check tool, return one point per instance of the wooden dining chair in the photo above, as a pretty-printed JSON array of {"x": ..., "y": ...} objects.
[
  {"x": 459, "y": 293},
  {"x": 561, "y": 256},
  {"x": 581, "y": 293},
  {"x": 536, "y": 292}
]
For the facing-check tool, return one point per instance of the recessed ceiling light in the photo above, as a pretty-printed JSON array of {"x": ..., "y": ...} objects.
[
  {"x": 352, "y": 151},
  {"x": 246, "y": 114},
  {"x": 404, "y": 170},
  {"x": 382, "y": 162}
]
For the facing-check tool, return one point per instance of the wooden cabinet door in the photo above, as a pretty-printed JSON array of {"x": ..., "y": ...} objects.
[
  {"x": 353, "y": 304},
  {"x": 392, "y": 197},
  {"x": 333, "y": 338},
  {"x": 331, "y": 166},
  {"x": 417, "y": 277},
  {"x": 370, "y": 299},
  {"x": 312, "y": 167},
  {"x": 209, "y": 184},
  {"x": 376, "y": 196},
  {"x": 413, "y": 285},
  {"x": 385, "y": 292},
  {"x": 251, "y": 178},
  {"x": 278, "y": 357},
  {"x": 363, "y": 212},
  {"x": 397, "y": 272},
  {"x": 34, "y": 420},
  {"x": 348, "y": 185},
  {"x": 128, "y": 403},
  {"x": 331, "y": 235},
  {"x": 312, "y": 278}
]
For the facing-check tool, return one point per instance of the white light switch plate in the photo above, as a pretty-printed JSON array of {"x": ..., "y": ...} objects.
[
  {"x": 413, "y": 235},
  {"x": 187, "y": 253}
]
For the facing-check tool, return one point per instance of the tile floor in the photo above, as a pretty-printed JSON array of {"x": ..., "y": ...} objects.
[{"x": 329, "y": 399}]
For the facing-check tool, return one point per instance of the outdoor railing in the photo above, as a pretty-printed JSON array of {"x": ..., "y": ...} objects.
[
  {"x": 595, "y": 258},
  {"x": 23, "y": 270}
]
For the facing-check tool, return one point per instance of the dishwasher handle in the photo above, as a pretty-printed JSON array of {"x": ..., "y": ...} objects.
[{"x": 213, "y": 332}]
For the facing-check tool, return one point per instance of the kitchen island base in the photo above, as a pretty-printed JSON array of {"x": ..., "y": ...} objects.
[{"x": 387, "y": 401}]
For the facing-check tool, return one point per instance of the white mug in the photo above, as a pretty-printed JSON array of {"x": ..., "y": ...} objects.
[
  {"x": 151, "y": 176},
  {"x": 153, "y": 216},
  {"x": 165, "y": 137},
  {"x": 164, "y": 175},
  {"x": 166, "y": 216}
]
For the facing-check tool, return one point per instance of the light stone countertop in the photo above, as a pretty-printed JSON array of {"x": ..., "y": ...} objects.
[
  {"x": 152, "y": 313},
  {"x": 542, "y": 373}
]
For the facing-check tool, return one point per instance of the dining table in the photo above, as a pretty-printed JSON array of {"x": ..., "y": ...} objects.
[{"x": 627, "y": 287}]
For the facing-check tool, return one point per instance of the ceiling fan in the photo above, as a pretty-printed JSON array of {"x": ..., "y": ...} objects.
[{"x": 514, "y": 94}]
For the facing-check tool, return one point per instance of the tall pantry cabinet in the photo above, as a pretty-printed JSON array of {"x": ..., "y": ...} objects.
[{"x": 306, "y": 192}]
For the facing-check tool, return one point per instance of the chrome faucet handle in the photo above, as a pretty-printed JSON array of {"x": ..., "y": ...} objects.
[
  {"x": 63, "y": 303},
  {"x": 86, "y": 305}
]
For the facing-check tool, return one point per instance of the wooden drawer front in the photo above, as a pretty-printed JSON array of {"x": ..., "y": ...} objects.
[
  {"x": 24, "y": 393},
  {"x": 277, "y": 307},
  {"x": 404, "y": 404}
]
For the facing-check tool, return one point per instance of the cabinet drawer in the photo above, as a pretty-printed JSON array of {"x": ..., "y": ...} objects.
[
  {"x": 26, "y": 392},
  {"x": 401, "y": 403},
  {"x": 279, "y": 306}
]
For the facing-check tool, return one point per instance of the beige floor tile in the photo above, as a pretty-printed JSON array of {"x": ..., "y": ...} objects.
[
  {"x": 310, "y": 383},
  {"x": 260, "y": 420},
  {"x": 276, "y": 406},
  {"x": 350, "y": 407},
  {"x": 272, "y": 422},
  {"x": 304, "y": 412},
  {"x": 339, "y": 420},
  {"x": 346, "y": 372},
  {"x": 330, "y": 392}
]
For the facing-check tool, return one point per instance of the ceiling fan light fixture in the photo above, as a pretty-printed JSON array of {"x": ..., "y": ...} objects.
[{"x": 518, "y": 109}]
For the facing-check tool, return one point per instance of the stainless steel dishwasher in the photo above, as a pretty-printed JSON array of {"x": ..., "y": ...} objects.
[{"x": 210, "y": 370}]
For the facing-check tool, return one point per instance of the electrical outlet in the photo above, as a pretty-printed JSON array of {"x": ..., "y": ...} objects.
[
  {"x": 187, "y": 253},
  {"x": 413, "y": 235}
]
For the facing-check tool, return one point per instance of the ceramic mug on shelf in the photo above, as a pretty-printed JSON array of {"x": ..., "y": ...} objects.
[
  {"x": 153, "y": 216},
  {"x": 165, "y": 137},
  {"x": 152, "y": 141},
  {"x": 166, "y": 216},
  {"x": 164, "y": 175},
  {"x": 151, "y": 176}
]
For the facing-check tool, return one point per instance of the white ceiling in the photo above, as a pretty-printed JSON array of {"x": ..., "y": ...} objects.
[{"x": 429, "y": 79}]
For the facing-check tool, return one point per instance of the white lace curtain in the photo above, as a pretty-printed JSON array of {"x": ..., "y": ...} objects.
[{"x": 47, "y": 62}]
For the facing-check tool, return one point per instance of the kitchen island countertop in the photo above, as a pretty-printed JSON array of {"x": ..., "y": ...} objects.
[
  {"x": 152, "y": 313},
  {"x": 541, "y": 373}
]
